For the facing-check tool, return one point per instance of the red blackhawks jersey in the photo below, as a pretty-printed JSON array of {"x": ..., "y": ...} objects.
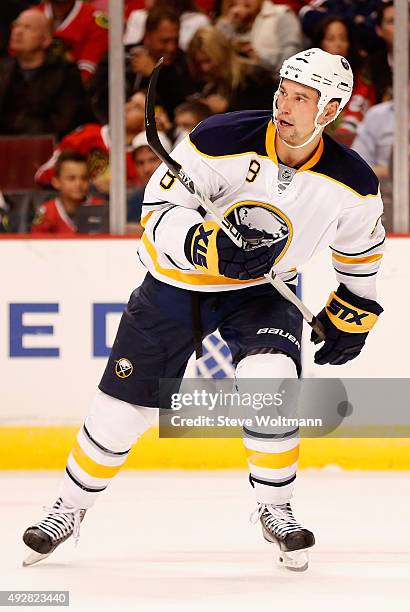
[
  {"x": 84, "y": 34},
  {"x": 52, "y": 218},
  {"x": 93, "y": 141}
]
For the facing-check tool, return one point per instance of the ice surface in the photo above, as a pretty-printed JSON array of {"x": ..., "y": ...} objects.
[{"x": 179, "y": 541}]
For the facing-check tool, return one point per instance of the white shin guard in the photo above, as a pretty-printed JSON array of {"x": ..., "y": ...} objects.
[
  {"x": 101, "y": 448},
  {"x": 272, "y": 460},
  {"x": 117, "y": 425}
]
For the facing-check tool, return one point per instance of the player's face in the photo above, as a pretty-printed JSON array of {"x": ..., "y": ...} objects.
[
  {"x": 336, "y": 39},
  {"x": 163, "y": 42},
  {"x": 297, "y": 109},
  {"x": 29, "y": 32},
  {"x": 73, "y": 182},
  {"x": 147, "y": 162}
]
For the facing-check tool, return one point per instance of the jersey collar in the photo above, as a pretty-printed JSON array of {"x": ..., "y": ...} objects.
[
  {"x": 70, "y": 17},
  {"x": 271, "y": 151}
]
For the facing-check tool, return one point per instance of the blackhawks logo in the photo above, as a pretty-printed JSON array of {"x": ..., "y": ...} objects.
[
  {"x": 39, "y": 216},
  {"x": 101, "y": 19}
]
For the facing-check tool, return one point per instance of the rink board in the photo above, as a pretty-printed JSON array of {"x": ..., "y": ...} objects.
[
  {"x": 41, "y": 448},
  {"x": 60, "y": 304}
]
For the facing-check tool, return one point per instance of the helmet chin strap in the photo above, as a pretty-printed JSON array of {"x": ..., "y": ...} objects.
[{"x": 315, "y": 132}]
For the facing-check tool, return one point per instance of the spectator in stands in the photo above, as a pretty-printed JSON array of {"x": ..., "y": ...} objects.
[
  {"x": 146, "y": 162},
  {"x": 261, "y": 31},
  {"x": 93, "y": 141},
  {"x": 222, "y": 6},
  {"x": 4, "y": 209},
  {"x": 161, "y": 40},
  {"x": 208, "y": 6},
  {"x": 225, "y": 81},
  {"x": 80, "y": 32},
  {"x": 374, "y": 139},
  {"x": 187, "y": 116},
  {"x": 39, "y": 93},
  {"x": 295, "y": 5},
  {"x": 8, "y": 13},
  {"x": 374, "y": 142},
  {"x": 335, "y": 35},
  {"x": 359, "y": 14},
  {"x": 72, "y": 181},
  {"x": 191, "y": 19},
  {"x": 374, "y": 82}
]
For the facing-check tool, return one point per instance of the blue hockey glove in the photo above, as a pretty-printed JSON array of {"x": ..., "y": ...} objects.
[
  {"x": 347, "y": 319},
  {"x": 209, "y": 249}
]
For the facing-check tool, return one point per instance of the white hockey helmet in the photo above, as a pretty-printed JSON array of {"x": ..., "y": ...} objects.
[{"x": 329, "y": 74}]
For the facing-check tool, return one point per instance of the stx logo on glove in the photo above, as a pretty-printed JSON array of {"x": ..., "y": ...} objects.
[
  {"x": 349, "y": 318},
  {"x": 343, "y": 312},
  {"x": 200, "y": 246}
]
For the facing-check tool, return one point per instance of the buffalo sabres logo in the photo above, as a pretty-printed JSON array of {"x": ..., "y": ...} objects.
[
  {"x": 263, "y": 216},
  {"x": 345, "y": 63},
  {"x": 123, "y": 368}
]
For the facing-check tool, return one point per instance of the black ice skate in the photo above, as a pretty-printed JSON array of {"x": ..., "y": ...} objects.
[
  {"x": 60, "y": 523},
  {"x": 280, "y": 527}
]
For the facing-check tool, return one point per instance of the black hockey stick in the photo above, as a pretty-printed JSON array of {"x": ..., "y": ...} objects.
[{"x": 224, "y": 223}]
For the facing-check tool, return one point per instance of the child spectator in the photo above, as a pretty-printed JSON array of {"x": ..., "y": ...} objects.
[
  {"x": 187, "y": 116},
  {"x": 190, "y": 18},
  {"x": 146, "y": 162},
  {"x": 72, "y": 181},
  {"x": 93, "y": 141},
  {"x": 80, "y": 32},
  {"x": 39, "y": 93}
]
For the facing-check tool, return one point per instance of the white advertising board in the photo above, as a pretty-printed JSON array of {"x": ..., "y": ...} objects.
[{"x": 60, "y": 304}]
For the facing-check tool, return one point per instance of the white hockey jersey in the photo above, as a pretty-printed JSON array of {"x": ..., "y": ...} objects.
[{"x": 332, "y": 200}]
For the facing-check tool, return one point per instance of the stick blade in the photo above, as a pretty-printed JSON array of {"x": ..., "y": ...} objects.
[{"x": 150, "y": 122}]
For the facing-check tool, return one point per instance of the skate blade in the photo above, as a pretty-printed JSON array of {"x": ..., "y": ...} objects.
[
  {"x": 295, "y": 560},
  {"x": 34, "y": 557}
]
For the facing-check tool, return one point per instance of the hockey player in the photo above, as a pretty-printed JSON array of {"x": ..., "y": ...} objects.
[{"x": 293, "y": 190}]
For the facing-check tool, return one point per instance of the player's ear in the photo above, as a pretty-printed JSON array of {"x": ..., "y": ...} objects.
[
  {"x": 330, "y": 112},
  {"x": 55, "y": 181}
]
